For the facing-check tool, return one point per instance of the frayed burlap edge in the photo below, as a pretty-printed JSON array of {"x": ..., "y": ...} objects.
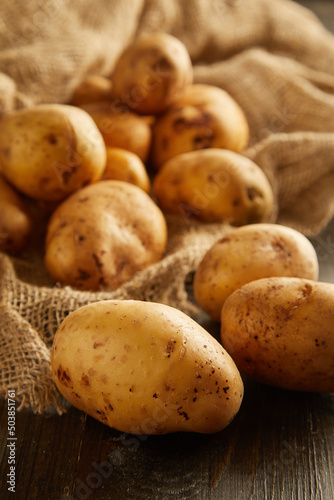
[{"x": 25, "y": 365}]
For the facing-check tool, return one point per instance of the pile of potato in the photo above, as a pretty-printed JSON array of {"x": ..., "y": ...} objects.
[
  {"x": 260, "y": 282},
  {"x": 128, "y": 150},
  {"x": 173, "y": 145}
]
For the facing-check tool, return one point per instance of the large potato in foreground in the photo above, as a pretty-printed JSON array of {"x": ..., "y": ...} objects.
[
  {"x": 145, "y": 368},
  {"x": 279, "y": 331},
  {"x": 249, "y": 253},
  {"x": 50, "y": 150},
  {"x": 152, "y": 73},
  {"x": 214, "y": 185},
  {"x": 121, "y": 128},
  {"x": 100, "y": 236},
  {"x": 205, "y": 117},
  {"x": 15, "y": 220}
]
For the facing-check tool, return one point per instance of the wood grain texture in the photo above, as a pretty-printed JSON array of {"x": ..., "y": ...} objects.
[{"x": 279, "y": 447}]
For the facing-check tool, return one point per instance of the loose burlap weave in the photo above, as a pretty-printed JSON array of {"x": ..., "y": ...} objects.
[{"x": 273, "y": 56}]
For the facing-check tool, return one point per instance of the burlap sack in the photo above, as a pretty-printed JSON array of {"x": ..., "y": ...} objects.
[{"x": 273, "y": 56}]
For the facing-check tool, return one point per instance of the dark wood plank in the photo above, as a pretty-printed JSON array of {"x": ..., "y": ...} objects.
[
  {"x": 279, "y": 442},
  {"x": 281, "y": 445},
  {"x": 46, "y": 453}
]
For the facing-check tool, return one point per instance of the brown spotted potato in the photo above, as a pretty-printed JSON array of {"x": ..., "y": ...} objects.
[
  {"x": 49, "y": 151},
  {"x": 279, "y": 331},
  {"x": 145, "y": 368},
  {"x": 152, "y": 73},
  {"x": 204, "y": 117},
  {"x": 249, "y": 253},
  {"x": 102, "y": 235},
  {"x": 214, "y": 185}
]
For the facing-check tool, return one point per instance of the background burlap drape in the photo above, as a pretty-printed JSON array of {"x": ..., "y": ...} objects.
[{"x": 273, "y": 56}]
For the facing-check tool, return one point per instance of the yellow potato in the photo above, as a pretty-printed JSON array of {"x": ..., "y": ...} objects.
[
  {"x": 103, "y": 234},
  {"x": 214, "y": 185},
  {"x": 145, "y": 368},
  {"x": 50, "y": 150},
  {"x": 15, "y": 220},
  {"x": 122, "y": 128},
  {"x": 205, "y": 117},
  {"x": 152, "y": 73},
  {"x": 249, "y": 253},
  {"x": 279, "y": 331},
  {"x": 125, "y": 166},
  {"x": 93, "y": 88}
]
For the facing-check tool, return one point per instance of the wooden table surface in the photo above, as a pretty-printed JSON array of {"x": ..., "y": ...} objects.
[{"x": 280, "y": 445}]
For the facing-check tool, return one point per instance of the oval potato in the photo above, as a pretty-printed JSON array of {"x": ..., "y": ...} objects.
[
  {"x": 205, "y": 117},
  {"x": 214, "y": 185},
  {"x": 152, "y": 73},
  {"x": 145, "y": 368},
  {"x": 121, "y": 128},
  {"x": 279, "y": 331},
  {"x": 15, "y": 220},
  {"x": 94, "y": 88},
  {"x": 122, "y": 165},
  {"x": 100, "y": 236},
  {"x": 50, "y": 150},
  {"x": 249, "y": 253}
]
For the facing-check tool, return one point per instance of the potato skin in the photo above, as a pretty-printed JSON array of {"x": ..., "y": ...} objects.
[
  {"x": 121, "y": 128},
  {"x": 94, "y": 88},
  {"x": 15, "y": 220},
  {"x": 214, "y": 185},
  {"x": 100, "y": 236},
  {"x": 125, "y": 166},
  {"x": 279, "y": 331},
  {"x": 145, "y": 368},
  {"x": 152, "y": 73},
  {"x": 51, "y": 150},
  {"x": 249, "y": 253},
  {"x": 205, "y": 117}
]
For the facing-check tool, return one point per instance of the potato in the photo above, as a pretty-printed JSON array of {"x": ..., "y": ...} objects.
[
  {"x": 100, "y": 236},
  {"x": 49, "y": 151},
  {"x": 145, "y": 368},
  {"x": 125, "y": 166},
  {"x": 121, "y": 128},
  {"x": 214, "y": 185},
  {"x": 152, "y": 73},
  {"x": 48, "y": 207},
  {"x": 15, "y": 220},
  {"x": 279, "y": 331},
  {"x": 93, "y": 88},
  {"x": 249, "y": 253},
  {"x": 205, "y": 117}
]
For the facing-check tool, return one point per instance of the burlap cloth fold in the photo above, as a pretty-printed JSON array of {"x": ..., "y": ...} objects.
[{"x": 273, "y": 56}]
